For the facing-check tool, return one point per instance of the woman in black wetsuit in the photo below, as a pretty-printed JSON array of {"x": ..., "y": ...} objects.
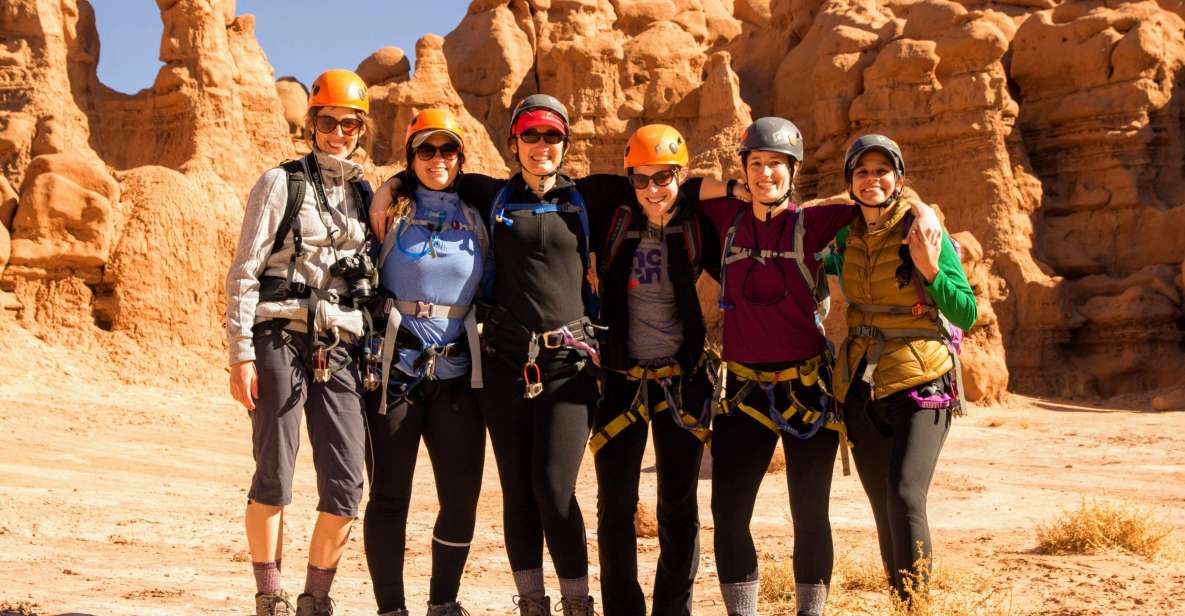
[{"x": 537, "y": 344}]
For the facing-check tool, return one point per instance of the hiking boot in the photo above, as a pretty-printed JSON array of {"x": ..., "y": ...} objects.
[
  {"x": 447, "y": 609},
  {"x": 533, "y": 607},
  {"x": 272, "y": 604},
  {"x": 577, "y": 606},
  {"x": 308, "y": 605}
]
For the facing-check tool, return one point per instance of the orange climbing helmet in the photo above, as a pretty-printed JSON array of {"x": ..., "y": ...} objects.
[
  {"x": 338, "y": 87},
  {"x": 431, "y": 122},
  {"x": 656, "y": 144}
]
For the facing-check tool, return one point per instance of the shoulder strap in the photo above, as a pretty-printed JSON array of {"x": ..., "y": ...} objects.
[
  {"x": 729, "y": 236},
  {"x": 692, "y": 240},
  {"x": 618, "y": 229},
  {"x": 296, "y": 188},
  {"x": 473, "y": 219},
  {"x": 499, "y": 206},
  {"x": 582, "y": 212},
  {"x": 800, "y": 251},
  {"x": 365, "y": 195}
]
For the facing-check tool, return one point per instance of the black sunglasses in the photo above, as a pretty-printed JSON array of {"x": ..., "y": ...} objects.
[
  {"x": 328, "y": 124},
  {"x": 662, "y": 178},
  {"x": 427, "y": 151},
  {"x": 532, "y": 136}
]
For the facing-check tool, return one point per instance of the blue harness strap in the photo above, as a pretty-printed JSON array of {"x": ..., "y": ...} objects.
[{"x": 500, "y": 211}]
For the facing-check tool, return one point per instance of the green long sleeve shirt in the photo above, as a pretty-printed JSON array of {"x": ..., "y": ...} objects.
[{"x": 950, "y": 290}]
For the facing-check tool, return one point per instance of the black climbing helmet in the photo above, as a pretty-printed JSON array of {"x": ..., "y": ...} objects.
[
  {"x": 540, "y": 101},
  {"x": 772, "y": 134},
  {"x": 868, "y": 143}
]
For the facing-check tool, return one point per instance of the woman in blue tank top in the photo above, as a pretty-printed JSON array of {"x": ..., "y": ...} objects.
[{"x": 431, "y": 263}]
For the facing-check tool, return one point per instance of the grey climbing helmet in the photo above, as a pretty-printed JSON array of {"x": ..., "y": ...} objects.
[{"x": 772, "y": 134}]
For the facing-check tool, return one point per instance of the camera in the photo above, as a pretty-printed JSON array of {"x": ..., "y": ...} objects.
[{"x": 358, "y": 270}]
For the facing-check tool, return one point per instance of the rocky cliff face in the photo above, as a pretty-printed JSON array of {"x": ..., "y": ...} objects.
[
  {"x": 123, "y": 210},
  {"x": 1050, "y": 135}
]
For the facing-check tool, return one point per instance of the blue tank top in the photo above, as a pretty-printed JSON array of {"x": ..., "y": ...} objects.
[{"x": 441, "y": 264}]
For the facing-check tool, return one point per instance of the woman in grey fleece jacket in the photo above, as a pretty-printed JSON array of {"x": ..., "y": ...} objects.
[{"x": 271, "y": 347}]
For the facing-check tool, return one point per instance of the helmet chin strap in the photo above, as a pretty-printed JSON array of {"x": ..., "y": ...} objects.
[
  {"x": 554, "y": 172},
  {"x": 770, "y": 206}
]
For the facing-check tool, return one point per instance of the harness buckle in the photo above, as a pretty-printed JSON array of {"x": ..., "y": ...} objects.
[
  {"x": 553, "y": 339},
  {"x": 424, "y": 309},
  {"x": 533, "y": 387}
]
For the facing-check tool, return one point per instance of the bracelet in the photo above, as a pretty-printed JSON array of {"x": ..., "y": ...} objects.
[{"x": 730, "y": 191}]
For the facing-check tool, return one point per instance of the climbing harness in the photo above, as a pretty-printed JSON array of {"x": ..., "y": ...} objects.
[{"x": 668, "y": 374}]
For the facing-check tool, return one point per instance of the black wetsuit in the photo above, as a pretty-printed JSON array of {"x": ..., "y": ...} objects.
[
  {"x": 678, "y": 452},
  {"x": 539, "y": 442}
]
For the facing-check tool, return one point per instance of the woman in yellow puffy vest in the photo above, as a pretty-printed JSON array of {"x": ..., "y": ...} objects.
[{"x": 896, "y": 371}]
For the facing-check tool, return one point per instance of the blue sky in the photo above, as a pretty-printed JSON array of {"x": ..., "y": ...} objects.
[{"x": 300, "y": 37}]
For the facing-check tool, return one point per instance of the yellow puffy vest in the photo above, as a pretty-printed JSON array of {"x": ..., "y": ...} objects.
[{"x": 869, "y": 277}]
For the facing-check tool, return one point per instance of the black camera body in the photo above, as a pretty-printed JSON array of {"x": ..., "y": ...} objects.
[{"x": 359, "y": 272}]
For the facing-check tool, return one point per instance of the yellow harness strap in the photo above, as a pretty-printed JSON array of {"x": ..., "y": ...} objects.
[
  {"x": 806, "y": 372},
  {"x": 629, "y": 417}
]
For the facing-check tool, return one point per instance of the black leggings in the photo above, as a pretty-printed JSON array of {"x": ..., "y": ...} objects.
[
  {"x": 741, "y": 453},
  {"x": 538, "y": 445},
  {"x": 677, "y": 455},
  {"x": 445, "y": 414},
  {"x": 895, "y": 446}
]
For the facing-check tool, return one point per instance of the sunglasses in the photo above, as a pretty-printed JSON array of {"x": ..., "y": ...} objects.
[
  {"x": 662, "y": 178},
  {"x": 532, "y": 136},
  {"x": 448, "y": 151},
  {"x": 328, "y": 124}
]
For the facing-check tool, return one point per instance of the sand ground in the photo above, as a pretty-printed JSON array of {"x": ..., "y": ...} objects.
[{"x": 127, "y": 499}]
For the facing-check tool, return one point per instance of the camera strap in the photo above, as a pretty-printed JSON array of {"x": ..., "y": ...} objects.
[{"x": 313, "y": 169}]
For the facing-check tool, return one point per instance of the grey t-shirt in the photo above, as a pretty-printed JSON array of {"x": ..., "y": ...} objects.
[{"x": 655, "y": 329}]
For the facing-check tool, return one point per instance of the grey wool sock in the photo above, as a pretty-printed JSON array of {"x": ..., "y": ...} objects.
[
  {"x": 574, "y": 587},
  {"x": 529, "y": 583},
  {"x": 267, "y": 576},
  {"x": 740, "y": 598},
  {"x": 318, "y": 581},
  {"x": 810, "y": 599}
]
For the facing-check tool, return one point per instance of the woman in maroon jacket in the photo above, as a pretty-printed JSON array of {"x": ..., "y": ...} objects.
[{"x": 776, "y": 366}]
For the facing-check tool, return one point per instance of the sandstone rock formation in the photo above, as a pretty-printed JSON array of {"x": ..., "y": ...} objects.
[
  {"x": 1049, "y": 131},
  {"x": 128, "y": 206},
  {"x": 294, "y": 100}
]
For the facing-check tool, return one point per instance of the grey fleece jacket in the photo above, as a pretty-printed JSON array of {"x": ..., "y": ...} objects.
[{"x": 261, "y": 220}]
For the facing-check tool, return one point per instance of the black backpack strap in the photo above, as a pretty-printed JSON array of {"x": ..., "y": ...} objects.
[
  {"x": 296, "y": 188},
  {"x": 618, "y": 228},
  {"x": 291, "y": 222},
  {"x": 365, "y": 195},
  {"x": 693, "y": 241}
]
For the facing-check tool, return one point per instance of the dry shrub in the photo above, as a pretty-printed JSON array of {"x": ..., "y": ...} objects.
[
  {"x": 950, "y": 592},
  {"x": 866, "y": 574},
  {"x": 1099, "y": 525},
  {"x": 776, "y": 587},
  {"x": 859, "y": 586}
]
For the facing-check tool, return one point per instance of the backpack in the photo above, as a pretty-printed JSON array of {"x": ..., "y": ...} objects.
[
  {"x": 816, "y": 285},
  {"x": 619, "y": 231}
]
